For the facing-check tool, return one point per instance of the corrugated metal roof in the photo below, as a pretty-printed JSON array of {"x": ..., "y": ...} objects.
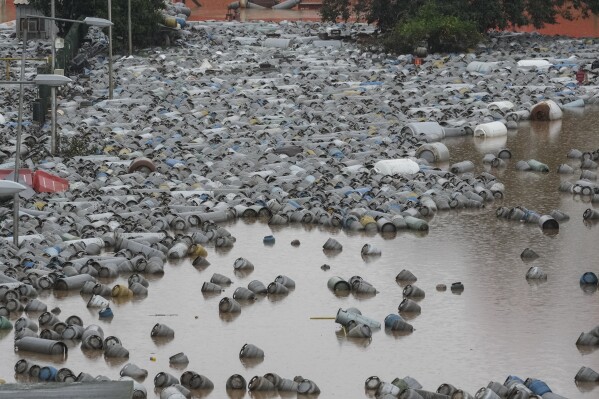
[{"x": 23, "y": 2}]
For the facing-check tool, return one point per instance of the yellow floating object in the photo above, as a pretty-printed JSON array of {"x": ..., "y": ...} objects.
[
  {"x": 121, "y": 291},
  {"x": 366, "y": 220},
  {"x": 169, "y": 21},
  {"x": 198, "y": 250},
  {"x": 40, "y": 205}
]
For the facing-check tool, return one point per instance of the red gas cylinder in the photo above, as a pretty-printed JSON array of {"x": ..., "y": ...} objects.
[{"x": 580, "y": 76}]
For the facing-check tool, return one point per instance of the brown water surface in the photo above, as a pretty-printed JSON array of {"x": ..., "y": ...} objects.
[{"x": 499, "y": 325}]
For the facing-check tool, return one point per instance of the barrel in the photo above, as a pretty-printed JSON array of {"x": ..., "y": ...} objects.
[
  {"x": 282, "y": 384},
  {"x": 370, "y": 250},
  {"x": 332, "y": 245},
  {"x": 243, "y": 264},
  {"x": 250, "y": 351},
  {"x": 258, "y": 383},
  {"x": 22, "y": 366},
  {"x": 491, "y": 129},
  {"x": 307, "y": 387},
  {"x": 396, "y": 323},
  {"x": 220, "y": 279},
  {"x": 547, "y": 110},
  {"x": 427, "y": 131},
  {"x": 243, "y": 294},
  {"x": 589, "y": 278},
  {"x": 173, "y": 392},
  {"x": 344, "y": 317},
  {"x": 48, "y": 373},
  {"x": 411, "y": 291},
  {"x": 433, "y": 152},
  {"x": 405, "y": 275},
  {"x": 537, "y": 166},
  {"x": 286, "y": 281},
  {"x": 547, "y": 222},
  {"x": 193, "y": 380},
  {"x": 229, "y": 305},
  {"x": 590, "y": 214},
  {"x": 257, "y": 287},
  {"x": 409, "y": 306},
  {"x": 138, "y": 290},
  {"x": 178, "y": 358},
  {"x": 115, "y": 351},
  {"x": 43, "y": 346},
  {"x": 72, "y": 283},
  {"x": 585, "y": 374},
  {"x": 72, "y": 332},
  {"x": 275, "y": 288},
  {"x": 587, "y": 339},
  {"x": 169, "y": 21},
  {"x": 462, "y": 167},
  {"x": 121, "y": 291},
  {"x": 338, "y": 284},
  {"x": 211, "y": 287},
  {"x": 536, "y": 273},
  {"x": 21, "y": 323},
  {"x": 236, "y": 382},
  {"x": 162, "y": 330},
  {"x": 538, "y": 387},
  {"x": 486, "y": 393},
  {"x": 133, "y": 371},
  {"x": 359, "y": 331},
  {"x": 372, "y": 383},
  {"x": 163, "y": 380},
  {"x": 97, "y": 301}
]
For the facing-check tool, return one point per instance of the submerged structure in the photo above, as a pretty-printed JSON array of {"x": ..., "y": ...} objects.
[{"x": 264, "y": 4}]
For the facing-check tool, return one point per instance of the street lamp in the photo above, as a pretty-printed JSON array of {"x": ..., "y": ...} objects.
[{"x": 91, "y": 21}]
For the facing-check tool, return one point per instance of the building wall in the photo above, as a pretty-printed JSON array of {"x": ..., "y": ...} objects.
[
  {"x": 587, "y": 27},
  {"x": 42, "y": 25}
]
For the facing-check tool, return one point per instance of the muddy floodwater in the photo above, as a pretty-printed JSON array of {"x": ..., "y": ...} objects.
[{"x": 499, "y": 325}]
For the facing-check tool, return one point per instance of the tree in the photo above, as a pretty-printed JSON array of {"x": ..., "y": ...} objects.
[
  {"x": 486, "y": 14},
  {"x": 145, "y": 17},
  {"x": 435, "y": 29}
]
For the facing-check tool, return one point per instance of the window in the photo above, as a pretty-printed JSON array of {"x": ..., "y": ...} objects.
[{"x": 32, "y": 25}]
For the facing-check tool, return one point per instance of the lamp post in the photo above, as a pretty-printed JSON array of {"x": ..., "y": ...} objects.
[
  {"x": 130, "y": 40},
  {"x": 110, "y": 83},
  {"x": 91, "y": 21}
]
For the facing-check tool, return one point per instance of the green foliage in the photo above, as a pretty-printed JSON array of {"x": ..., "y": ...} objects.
[
  {"x": 145, "y": 16},
  {"x": 334, "y": 10},
  {"x": 76, "y": 146},
  {"x": 485, "y": 14},
  {"x": 433, "y": 29}
]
